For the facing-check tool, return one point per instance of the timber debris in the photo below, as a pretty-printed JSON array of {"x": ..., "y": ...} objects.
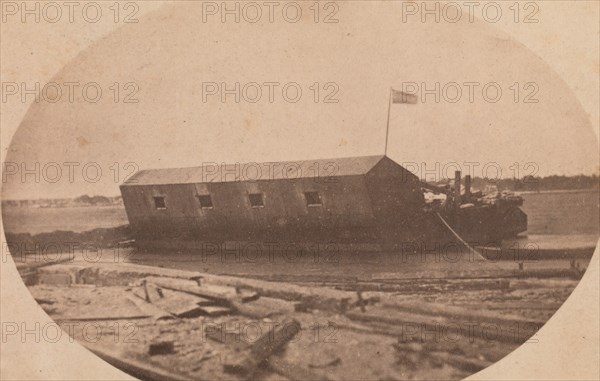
[{"x": 196, "y": 325}]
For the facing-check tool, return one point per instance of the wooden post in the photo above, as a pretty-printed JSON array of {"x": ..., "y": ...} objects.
[
  {"x": 147, "y": 296},
  {"x": 361, "y": 302}
]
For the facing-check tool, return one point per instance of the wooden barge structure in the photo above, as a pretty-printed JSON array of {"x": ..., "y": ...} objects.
[{"x": 356, "y": 202}]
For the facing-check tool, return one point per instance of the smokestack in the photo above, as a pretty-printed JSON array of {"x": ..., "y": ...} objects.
[
  {"x": 457, "y": 189},
  {"x": 468, "y": 187}
]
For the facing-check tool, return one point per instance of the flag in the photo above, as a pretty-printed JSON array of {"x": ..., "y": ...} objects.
[{"x": 402, "y": 97}]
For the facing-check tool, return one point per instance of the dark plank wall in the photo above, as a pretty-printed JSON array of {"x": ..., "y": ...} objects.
[{"x": 346, "y": 211}]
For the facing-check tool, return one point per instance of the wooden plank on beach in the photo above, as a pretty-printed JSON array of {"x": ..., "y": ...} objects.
[
  {"x": 301, "y": 278},
  {"x": 395, "y": 324},
  {"x": 180, "y": 304},
  {"x": 103, "y": 318},
  {"x": 487, "y": 274},
  {"x": 149, "y": 308},
  {"x": 247, "y": 362},
  {"x": 289, "y": 370},
  {"x": 222, "y": 294},
  {"x": 459, "y": 313},
  {"x": 423, "y": 285},
  {"x": 21, "y": 266},
  {"x": 265, "y": 307},
  {"x": 322, "y": 298},
  {"x": 214, "y": 311}
]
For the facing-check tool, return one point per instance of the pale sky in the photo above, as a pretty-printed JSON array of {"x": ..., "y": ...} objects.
[{"x": 170, "y": 53}]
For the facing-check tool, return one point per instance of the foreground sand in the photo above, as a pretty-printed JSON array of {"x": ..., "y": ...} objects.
[{"x": 349, "y": 329}]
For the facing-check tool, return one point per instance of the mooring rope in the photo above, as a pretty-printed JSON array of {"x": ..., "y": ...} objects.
[{"x": 458, "y": 237}]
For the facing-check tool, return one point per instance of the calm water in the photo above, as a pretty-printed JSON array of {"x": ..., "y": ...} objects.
[
  {"x": 551, "y": 213},
  {"x": 42, "y": 220},
  {"x": 559, "y": 213},
  {"x": 555, "y": 219}
]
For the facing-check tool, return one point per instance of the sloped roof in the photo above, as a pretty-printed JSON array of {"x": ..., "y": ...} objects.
[{"x": 282, "y": 170}]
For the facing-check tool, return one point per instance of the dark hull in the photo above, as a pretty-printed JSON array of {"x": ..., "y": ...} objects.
[{"x": 488, "y": 225}]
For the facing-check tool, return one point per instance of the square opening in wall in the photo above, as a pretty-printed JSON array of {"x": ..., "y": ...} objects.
[
  {"x": 205, "y": 201},
  {"x": 256, "y": 200},
  {"x": 313, "y": 199},
  {"x": 159, "y": 203}
]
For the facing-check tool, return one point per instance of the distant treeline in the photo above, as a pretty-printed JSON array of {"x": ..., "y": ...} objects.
[
  {"x": 84, "y": 200},
  {"x": 531, "y": 183},
  {"x": 528, "y": 183}
]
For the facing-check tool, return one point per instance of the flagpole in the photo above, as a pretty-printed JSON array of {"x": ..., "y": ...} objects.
[{"x": 387, "y": 128}]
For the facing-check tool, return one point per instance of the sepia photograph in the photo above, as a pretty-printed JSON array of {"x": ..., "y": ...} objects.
[{"x": 300, "y": 190}]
